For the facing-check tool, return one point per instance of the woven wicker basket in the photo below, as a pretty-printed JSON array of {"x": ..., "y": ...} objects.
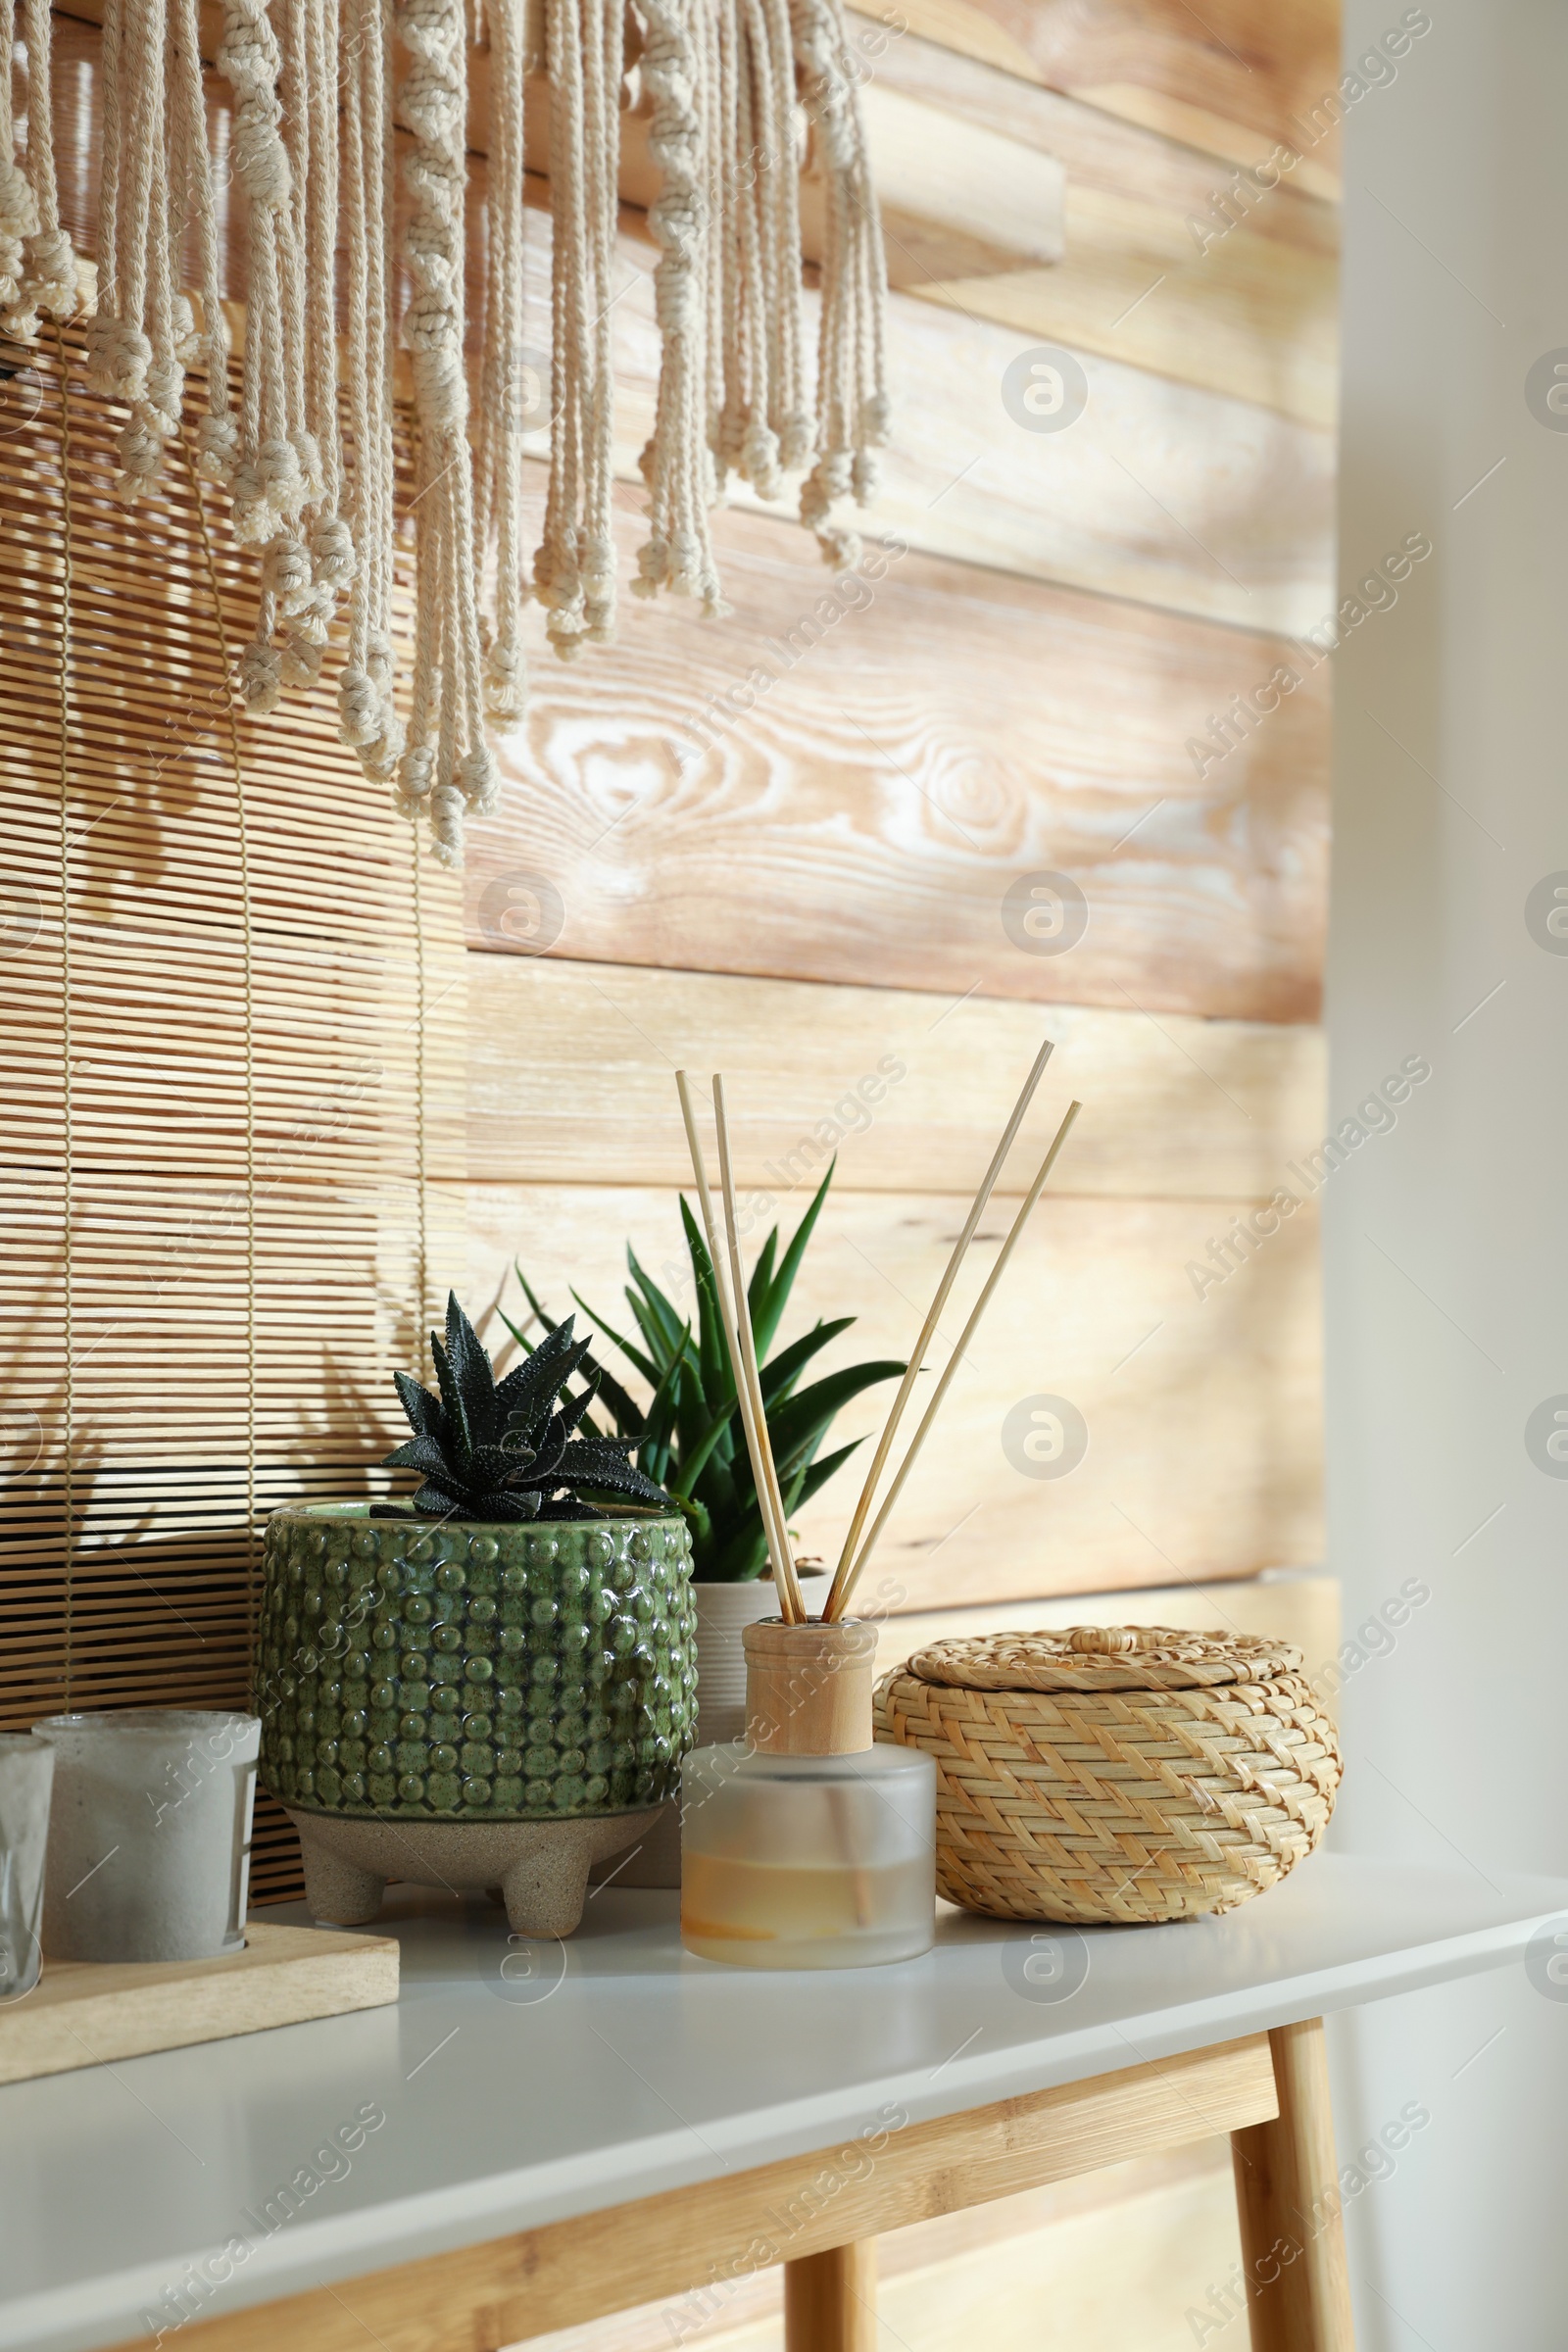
[{"x": 1123, "y": 1773}]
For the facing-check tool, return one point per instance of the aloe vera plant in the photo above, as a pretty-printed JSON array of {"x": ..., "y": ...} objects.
[{"x": 689, "y": 1438}]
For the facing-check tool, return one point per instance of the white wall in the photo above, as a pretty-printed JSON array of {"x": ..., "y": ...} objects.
[{"x": 1446, "y": 1240}]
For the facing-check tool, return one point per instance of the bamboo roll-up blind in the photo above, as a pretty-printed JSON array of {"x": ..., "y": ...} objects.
[{"x": 231, "y": 1013}]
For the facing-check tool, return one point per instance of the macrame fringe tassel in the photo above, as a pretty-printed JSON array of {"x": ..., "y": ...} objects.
[
  {"x": 675, "y": 465},
  {"x": 285, "y": 474},
  {"x": 574, "y": 568},
  {"x": 759, "y": 428},
  {"x": 367, "y": 717},
  {"x": 503, "y": 390},
  {"x": 724, "y": 83},
  {"x": 38, "y": 272},
  {"x": 143, "y": 330},
  {"x": 727, "y": 88},
  {"x": 854, "y": 412},
  {"x": 447, "y": 768}
]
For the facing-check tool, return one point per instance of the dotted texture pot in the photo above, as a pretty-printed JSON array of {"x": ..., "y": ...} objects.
[{"x": 474, "y": 1672}]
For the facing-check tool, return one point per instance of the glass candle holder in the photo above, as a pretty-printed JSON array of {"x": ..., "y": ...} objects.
[
  {"x": 26, "y": 1774},
  {"x": 804, "y": 1846},
  {"x": 150, "y": 1834}
]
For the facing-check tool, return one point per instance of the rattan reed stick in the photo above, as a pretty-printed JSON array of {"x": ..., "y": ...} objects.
[
  {"x": 773, "y": 1499},
  {"x": 912, "y": 1371},
  {"x": 790, "y": 1602},
  {"x": 951, "y": 1367}
]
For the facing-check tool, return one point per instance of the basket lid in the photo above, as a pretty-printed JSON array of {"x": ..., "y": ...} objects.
[{"x": 1105, "y": 1657}]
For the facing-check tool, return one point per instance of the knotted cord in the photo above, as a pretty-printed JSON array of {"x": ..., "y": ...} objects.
[{"x": 306, "y": 452}]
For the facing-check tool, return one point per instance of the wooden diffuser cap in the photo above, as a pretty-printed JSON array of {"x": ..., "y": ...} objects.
[{"x": 808, "y": 1687}]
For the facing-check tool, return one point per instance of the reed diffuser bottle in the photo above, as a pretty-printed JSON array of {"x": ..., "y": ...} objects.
[{"x": 808, "y": 1846}]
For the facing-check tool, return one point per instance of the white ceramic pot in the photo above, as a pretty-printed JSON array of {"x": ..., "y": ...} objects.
[
  {"x": 27, "y": 1774},
  {"x": 149, "y": 1833},
  {"x": 723, "y": 1612}
]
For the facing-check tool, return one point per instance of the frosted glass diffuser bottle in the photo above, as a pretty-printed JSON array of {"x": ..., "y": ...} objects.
[{"x": 808, "y": 1846}]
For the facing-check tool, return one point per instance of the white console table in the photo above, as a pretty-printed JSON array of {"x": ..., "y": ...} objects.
[{"x": 570, "y": 2130}]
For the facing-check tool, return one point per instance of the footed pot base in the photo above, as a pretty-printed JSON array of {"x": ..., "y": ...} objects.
[
  {"x": 540, "y": 1867},
  {"x": 653, "y": 1861}
]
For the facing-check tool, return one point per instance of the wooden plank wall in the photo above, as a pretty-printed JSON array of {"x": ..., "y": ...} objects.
[{"x": 784, "y": 844}]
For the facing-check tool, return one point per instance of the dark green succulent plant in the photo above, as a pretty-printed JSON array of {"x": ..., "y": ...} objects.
[
  {"x": 690, "y": 1434},
  {"x": 507, "y": 1450}
]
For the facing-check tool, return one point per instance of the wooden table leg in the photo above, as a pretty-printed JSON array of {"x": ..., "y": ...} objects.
[
  {"x": 1287, "y": 2194},
  {"x": 830, "y": 2300}
]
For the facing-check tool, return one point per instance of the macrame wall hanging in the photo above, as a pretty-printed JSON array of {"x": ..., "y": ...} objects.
[{"x": 334, "y": 103}]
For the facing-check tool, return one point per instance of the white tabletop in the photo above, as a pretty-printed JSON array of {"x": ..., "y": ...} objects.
[{"x": 620, "y": 2067}]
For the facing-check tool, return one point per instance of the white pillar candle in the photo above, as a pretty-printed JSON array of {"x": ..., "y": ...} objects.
[
  {"x": 27, "y": 1772},
  {"x": 150, "y": 1834}
]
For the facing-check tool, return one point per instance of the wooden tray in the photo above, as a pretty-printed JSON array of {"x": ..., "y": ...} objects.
[{"x": 83, "y": 2011}]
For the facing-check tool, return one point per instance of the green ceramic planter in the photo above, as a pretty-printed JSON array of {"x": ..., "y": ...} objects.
[{"x": 467, "y": 1673}]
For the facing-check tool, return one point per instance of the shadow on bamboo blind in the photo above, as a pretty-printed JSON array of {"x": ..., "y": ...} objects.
[{"x": 231, "y": 1013}]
